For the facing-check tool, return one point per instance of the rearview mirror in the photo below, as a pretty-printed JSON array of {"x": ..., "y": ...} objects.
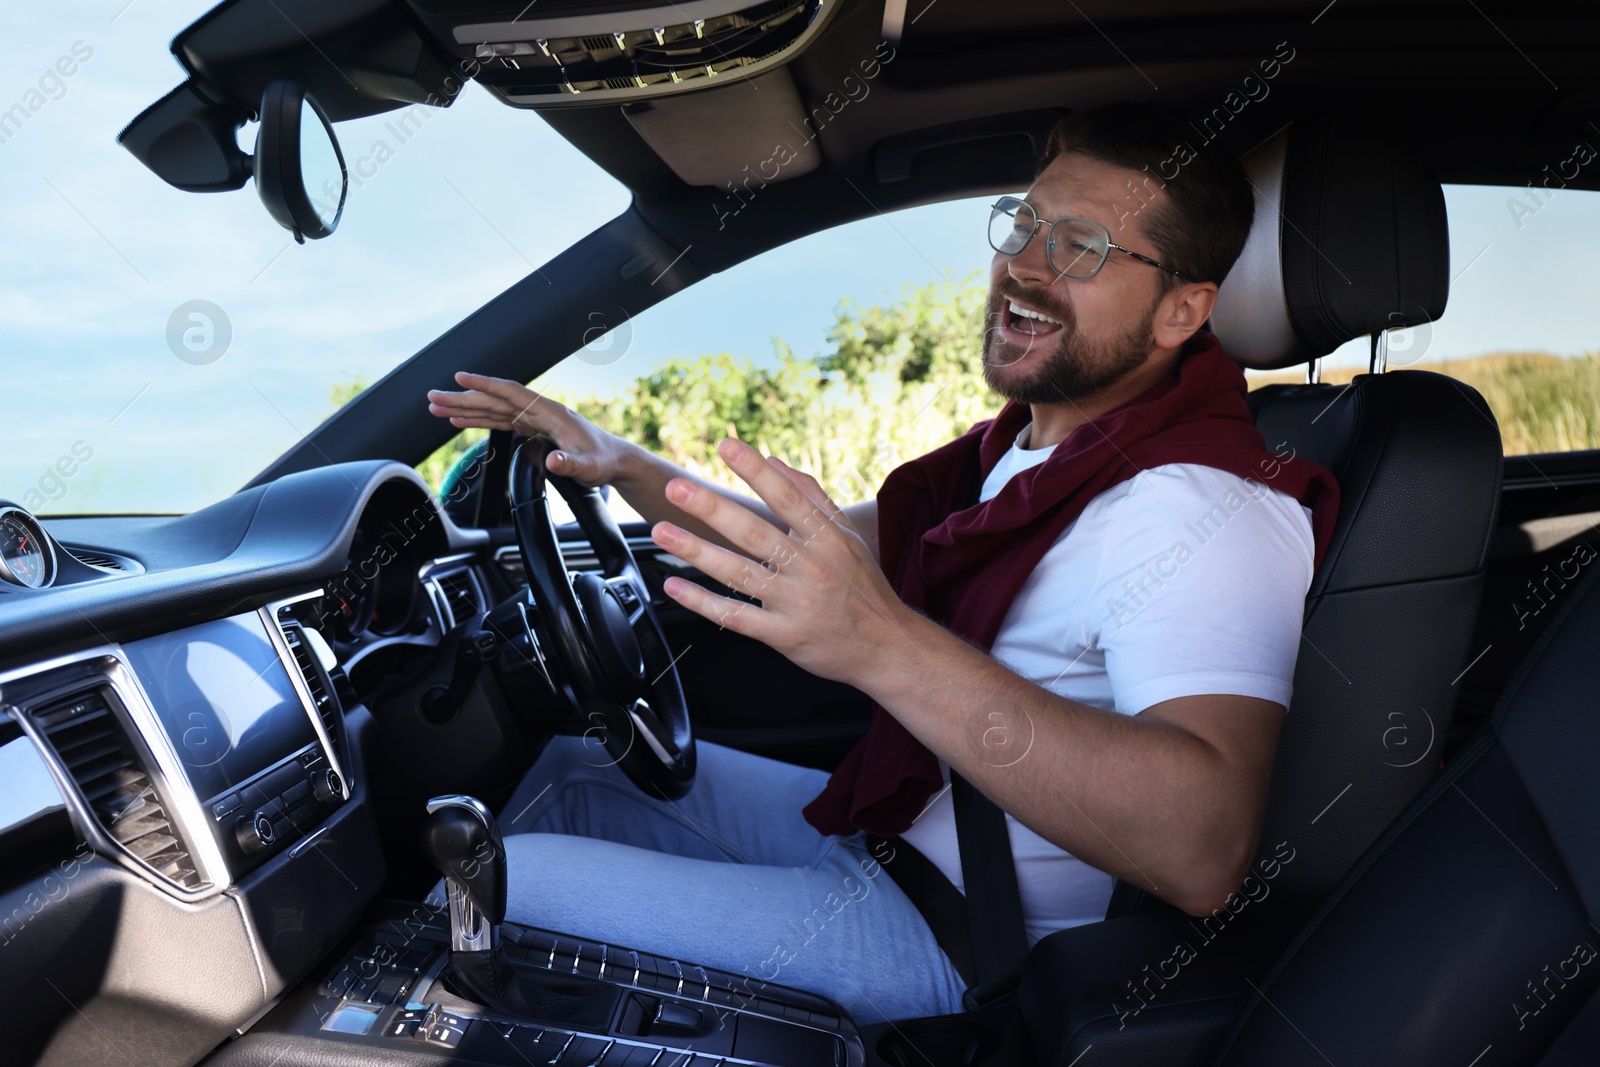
[{"x": 299, "y": 169}]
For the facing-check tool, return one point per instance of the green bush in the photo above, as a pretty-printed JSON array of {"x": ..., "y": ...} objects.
[{"x": 903, "y": 379}]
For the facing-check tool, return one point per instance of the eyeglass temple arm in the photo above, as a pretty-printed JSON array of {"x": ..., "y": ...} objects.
[{"x": 1146, "y": 259}]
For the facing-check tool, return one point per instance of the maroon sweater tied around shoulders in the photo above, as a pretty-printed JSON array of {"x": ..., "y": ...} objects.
[{"x": 962, "y": 563}]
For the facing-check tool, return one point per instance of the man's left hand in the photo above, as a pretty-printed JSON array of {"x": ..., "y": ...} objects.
[{"x": 824, "y": 601}]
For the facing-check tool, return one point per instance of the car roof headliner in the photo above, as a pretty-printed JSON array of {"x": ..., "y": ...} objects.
[{"x": 1486, "y": 93}]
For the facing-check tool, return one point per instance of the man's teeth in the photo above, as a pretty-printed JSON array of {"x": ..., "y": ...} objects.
[{"x": 1020, "y": 311}]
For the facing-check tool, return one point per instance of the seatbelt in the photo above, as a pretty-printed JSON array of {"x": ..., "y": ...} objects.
[
  {"x": 983, "y": 935},
  {"x": 935, "y": 897},
  {"x": 994, "y": 903},
  {"x": 989, "y": 915},
  {"x": 1128, "y": 899}
]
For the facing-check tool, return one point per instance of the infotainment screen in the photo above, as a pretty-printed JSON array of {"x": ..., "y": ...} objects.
[{"x": 225, "y": 699}]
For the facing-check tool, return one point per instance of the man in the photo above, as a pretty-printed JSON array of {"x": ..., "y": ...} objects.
[{"x": 1088, "y": 608}]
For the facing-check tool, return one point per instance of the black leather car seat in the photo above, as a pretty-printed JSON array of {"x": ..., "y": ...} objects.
[
  {"x": 1468, "y": 934},
  {"x": 1350, "y": 238}
]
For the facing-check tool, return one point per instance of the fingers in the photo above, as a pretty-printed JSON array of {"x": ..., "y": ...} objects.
[
  {"x": 507, "y": 404},
  {"x": 730, "y": 568},
  {"x": 585, "y": 470},
  {"x": 514, "y": 393},
  {"x": 465, "y": 416},
  {"x": 815, "y": 493},
  {"x": 726, "y": 612},
  {"x": 471, "y": 409},
  {"x": 470, "y": 400},
  {"x": 461, "y": 411},
  {"x": 479, "y": 424},
  {"x": 742, "y": 528},
  {"x": 807, "y": 518}
]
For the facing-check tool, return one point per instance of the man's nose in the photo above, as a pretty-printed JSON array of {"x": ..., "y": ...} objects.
[{"x": 1032, "y": 264}]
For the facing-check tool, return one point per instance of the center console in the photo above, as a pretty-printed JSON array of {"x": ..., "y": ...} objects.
[
  {"x": 388, "y": 994},
  {"x": 457, "y": 981}
]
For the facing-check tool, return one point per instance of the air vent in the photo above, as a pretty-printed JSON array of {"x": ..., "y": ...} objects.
[
  {"x": 93, "y": 746},
  {"x": 96, "y": 559},
  {"x": 459, "y": 592},
  {"x": 579, "y": 557},
  {"x": 510, "y": 562},
  {"x": 577, "y": 554},
  {"x": 305, "y": 659}
]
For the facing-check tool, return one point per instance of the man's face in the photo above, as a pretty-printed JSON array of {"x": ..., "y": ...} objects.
[{"x": 1100, "y": 329}]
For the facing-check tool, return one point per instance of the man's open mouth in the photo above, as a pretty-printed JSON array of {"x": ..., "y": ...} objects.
[{"x": 1026, "y": 322}]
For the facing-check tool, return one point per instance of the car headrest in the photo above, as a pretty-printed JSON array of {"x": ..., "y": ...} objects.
[{"x": 1349, "y": 238}]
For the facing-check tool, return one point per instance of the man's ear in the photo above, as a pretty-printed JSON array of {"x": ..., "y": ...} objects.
[{"x": 1182, "y": 312}]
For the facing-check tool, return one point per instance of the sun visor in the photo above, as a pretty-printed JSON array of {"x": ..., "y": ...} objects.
[{"x": 713, "y": 138}]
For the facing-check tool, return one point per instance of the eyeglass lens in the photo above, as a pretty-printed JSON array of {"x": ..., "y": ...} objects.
[{"x": 1075, "y": 247}]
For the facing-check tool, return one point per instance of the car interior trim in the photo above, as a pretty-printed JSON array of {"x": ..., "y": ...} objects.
[{"x": 269, "y": 615}]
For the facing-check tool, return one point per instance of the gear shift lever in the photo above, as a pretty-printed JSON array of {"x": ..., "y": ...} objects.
[{"x": 463, "y": 841}]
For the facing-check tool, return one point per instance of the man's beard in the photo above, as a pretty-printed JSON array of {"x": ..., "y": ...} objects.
[{"x": 1075, "y": 367}]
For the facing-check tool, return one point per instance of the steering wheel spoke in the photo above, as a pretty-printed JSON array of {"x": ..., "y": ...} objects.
[
  {"x": 654, "y": 733},
  {"x": 629, "y": 596}
]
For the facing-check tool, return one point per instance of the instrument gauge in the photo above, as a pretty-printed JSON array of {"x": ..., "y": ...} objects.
[{"x": 27, "y": 557}]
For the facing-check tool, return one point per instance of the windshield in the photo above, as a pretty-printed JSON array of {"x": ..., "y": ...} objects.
[{"x": 170, "y": 345}]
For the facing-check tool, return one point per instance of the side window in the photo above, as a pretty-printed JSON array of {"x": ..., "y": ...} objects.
[
  {"x": 1519, "y": 326},
  {"x": 845, "y": 353}
]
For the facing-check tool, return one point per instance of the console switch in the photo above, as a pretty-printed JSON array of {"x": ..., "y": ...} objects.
[
  {"x": 674, "y": 1018},
  {"x": 445, "y": 1036},
  {"x": 432, "y": 1026}
]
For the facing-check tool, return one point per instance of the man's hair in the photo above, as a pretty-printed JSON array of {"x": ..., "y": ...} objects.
[{"x": 1201, "y": 226}]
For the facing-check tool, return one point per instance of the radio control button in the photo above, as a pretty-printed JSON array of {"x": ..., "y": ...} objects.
[
  {"x": 255, "y": 833},
  {"x": 327, "y": 786}
]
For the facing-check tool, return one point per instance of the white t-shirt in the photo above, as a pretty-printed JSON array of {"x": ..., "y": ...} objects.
[{"x": 1182, "y": 580}]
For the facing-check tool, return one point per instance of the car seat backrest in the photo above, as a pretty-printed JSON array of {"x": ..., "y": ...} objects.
[{"x": 1350, "y": 238}]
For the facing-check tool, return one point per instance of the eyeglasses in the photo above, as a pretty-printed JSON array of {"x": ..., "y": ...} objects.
[{"x": 1075, "y": 248}]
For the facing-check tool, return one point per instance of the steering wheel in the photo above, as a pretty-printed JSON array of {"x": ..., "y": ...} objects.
[{"x": 613, "y": 664}]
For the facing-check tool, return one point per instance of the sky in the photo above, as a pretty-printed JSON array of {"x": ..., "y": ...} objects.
[{"x": 108, "y": 373}]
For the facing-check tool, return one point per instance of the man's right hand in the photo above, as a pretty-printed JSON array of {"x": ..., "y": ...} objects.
[{"x": 584, "y": 452}]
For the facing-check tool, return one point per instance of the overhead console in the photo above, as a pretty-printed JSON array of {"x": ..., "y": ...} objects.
[{"x": 577, "y": 53}]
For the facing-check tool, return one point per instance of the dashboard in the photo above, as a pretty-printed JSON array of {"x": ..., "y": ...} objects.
[
  {"x": 218, "y": 733},
  {"x": 185, "y": 743}
]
